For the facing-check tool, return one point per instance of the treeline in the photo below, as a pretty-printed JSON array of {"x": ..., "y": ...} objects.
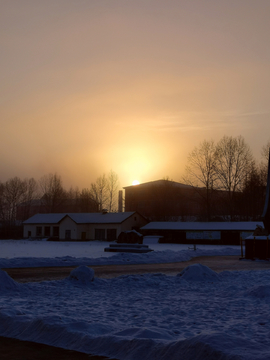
[
  {"x": 228, "y": 179},
  {"x": 230, "y": 185},
  {"x": 22, "y": 198}
]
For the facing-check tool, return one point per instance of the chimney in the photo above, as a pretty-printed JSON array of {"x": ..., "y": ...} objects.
[{"x": 120, "y": 201}]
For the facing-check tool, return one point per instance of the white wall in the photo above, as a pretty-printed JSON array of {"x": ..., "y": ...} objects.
[
  {"x": 67, "y": 224},
  {"x": 76, "y": 230}
]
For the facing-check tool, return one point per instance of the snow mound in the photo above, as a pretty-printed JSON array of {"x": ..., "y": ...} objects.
[
  {"x": 7, "y": 283},
  {"x": 82, "y": 275},
  {"x": 196, "y": 348},
  {"x": 260, "y": 291},
  {"x": 198, "y": 272}
]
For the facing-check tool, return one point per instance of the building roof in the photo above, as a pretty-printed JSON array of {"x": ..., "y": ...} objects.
[
  {"x": 80, "y": 218},
  {"x": 203, "y": 226},
  {"x": 160, "y": 182}
]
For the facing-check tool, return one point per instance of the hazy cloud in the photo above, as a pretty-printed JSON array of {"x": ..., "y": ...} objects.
[{"x": 90, "y": 86}]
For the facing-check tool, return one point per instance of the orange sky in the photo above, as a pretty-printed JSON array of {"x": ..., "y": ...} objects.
[{"x": 88, "y": 86}]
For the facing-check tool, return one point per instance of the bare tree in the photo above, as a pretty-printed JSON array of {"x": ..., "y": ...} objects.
[
  {"x": 86, "y": 201},
  {"x": 15, "y": 189},
  {"x": 265, "y": 151},
  {"x": 2, "y": 202},
  {"x": 264, "y": 162},
  {"x": 253, "y": 194},
  {"x": 233, "y": 163},
  {"x": 112, "y": 189},
  {"x": 201, "y": 172},
  {"x": 104, "y": 191},
  {"x": 15, "y": 197},
  {"x": 99, "y": 191},
  {"x": 31, "y": 193},
  {"x": 71, "y": 203},
  {"x": 53, "y": 193}
]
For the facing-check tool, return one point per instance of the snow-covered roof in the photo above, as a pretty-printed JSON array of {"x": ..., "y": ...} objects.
[
  {"x": 80, "y": 218},
  {"x": 203, "y": 226},
  {"x": 45, "y": 218}
]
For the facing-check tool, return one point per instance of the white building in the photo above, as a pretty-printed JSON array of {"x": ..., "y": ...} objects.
[{"x": 82, "y": 226}]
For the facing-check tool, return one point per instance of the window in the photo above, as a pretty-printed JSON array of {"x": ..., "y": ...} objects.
[
  {"x": 47, "y": 231},
  {"x": 56, "y": 231},
  {"x": 111, "y": 234},
  {"x": 99, "y": 234},
  {"x": 39, "y": 231}
]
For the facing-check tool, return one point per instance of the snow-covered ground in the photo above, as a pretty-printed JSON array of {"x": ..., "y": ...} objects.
[
  {"x": 197, "y": 314},
  {"x": 25, "y": 253}
]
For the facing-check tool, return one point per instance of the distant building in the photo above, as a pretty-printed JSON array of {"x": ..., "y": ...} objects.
[
  {"x": 226, "y": 233},
  {"x": 163, "y": 200},
  {"x": 82, "y": 226},
  {"x": 166, "y": 200}
]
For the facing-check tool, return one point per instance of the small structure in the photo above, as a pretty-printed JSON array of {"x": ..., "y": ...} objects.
[
  {"x": 152, "y": 239},
  {"x": 130, "y": 237},
  {"x": 131, "y": 248},
  {"x": 82, "y": 226},
  {"x": 257, "y": 246}
]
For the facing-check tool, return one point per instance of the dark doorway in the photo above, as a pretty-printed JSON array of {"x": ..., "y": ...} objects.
[{"x": 111, "y": 234}]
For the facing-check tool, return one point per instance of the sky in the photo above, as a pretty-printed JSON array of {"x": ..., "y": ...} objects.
[{"x": 130, "y": 86}]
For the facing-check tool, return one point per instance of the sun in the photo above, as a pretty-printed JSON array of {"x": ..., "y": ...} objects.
[{"x": 135, "y": 182}]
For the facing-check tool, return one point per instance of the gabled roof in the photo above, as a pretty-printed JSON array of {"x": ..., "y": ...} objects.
[
  {"x": 203, "y": 226},
  {"x": 45, "y": 219},
  {"x": 99, "y": 218},
  {"x": 80, "y": 218}
]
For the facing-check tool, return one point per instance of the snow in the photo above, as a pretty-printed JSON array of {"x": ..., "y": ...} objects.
[
  {"x": 26, "y": 253},
  {"x": 198, "y": 272},
  {"x": 80, "y": 218},
  {"x": 197, "y": 314},
  {"x": 82, "y": 275}
]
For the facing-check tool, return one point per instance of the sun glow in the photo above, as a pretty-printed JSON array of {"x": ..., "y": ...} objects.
[{"x": 135, "y": 182}]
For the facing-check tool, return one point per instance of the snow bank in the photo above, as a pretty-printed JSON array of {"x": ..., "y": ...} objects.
[
  {"x": 25, "y": 253},
  {"x": 260, "y": 292},
  {"x": 144, "y": 316},
  {"x": 82, "y": 275},
  {"x": 7, "y": 283},
  {"x": 198, "y": 272},
  {"x": 198, "y": 314}
]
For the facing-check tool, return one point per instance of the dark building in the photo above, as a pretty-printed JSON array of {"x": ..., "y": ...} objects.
[{"x": 163, "y": 200}]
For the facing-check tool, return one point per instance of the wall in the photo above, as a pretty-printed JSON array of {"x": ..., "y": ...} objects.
[
  {"x": 93, "y": 227},
  {"x": 67, "y": 224},
  {"x": 162, "y": 200},
  {"x": 32, "y": 228},
  {"x": 135, "y": 221},
  {"x": 69, "y": 230}
]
